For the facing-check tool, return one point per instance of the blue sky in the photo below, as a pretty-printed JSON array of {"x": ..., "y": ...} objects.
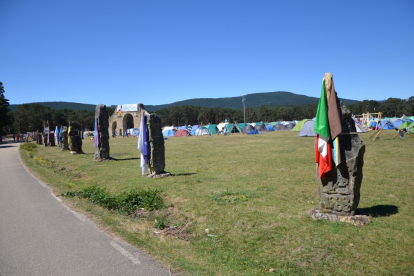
[{"x": 157, "y": 52}]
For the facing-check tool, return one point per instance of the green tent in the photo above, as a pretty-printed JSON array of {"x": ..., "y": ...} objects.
[
  {"x": 242, "y": 125},
  {"x": 405, "y": 125},
  {"x": 231, "y": 128},
  {"x": 212, "y": 129},
  {"x": 299, "y": 125},
  {"x": 259, "y": 123}
]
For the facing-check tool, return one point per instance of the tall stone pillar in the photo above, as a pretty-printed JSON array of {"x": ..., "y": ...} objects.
[
  {"x": 65, "y": 145},
  {"x": 156, "y": 148},
  {"x": 339, "y": 189},
  {"x": 101, "y": 115},
  {"x": 52, "y": 139},
  {"x": 75, "y": 142}
]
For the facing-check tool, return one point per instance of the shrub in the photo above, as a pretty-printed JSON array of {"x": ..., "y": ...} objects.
[{"x": 125, "y": 203}]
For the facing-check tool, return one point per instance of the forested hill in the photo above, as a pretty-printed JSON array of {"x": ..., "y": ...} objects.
[
  {"x": 267, "y": 99},
  {"x": 61, "y": 105}
]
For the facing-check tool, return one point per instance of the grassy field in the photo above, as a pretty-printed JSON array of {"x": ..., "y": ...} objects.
[{"x": 253, "y": 194}]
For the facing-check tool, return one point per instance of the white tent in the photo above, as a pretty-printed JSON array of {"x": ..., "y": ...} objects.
[
  {"x": 202, "y": 131},
  {"x": 307, "y": 129},
  {"x": 360, "y": 128}
]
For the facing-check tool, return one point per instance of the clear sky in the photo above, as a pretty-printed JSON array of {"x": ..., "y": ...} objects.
[{"x": 163, "y": 51}]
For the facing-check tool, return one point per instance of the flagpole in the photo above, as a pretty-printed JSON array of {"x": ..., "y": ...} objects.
[
  {"x": 244, "y": 112},
  {"x": 244, "y": 109}
]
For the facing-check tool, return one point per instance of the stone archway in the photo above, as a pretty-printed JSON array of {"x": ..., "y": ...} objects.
[
  {"x": 114, "y": 128},
  {"x": 127, "y": 119},
  {"x": 127, "y": 122}
]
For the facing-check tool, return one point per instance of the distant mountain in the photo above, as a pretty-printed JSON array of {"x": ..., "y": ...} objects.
[
  {"x": 61, "y": 105},
  {"x": 267, "y": 99}
]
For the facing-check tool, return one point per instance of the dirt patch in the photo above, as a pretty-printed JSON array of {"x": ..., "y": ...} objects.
[{"x": 173, "y": 226}]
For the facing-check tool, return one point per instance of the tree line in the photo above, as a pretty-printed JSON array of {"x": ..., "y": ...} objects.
[
  {"x": 196, "y": 115},
  {"x": 30, "y": 117}
]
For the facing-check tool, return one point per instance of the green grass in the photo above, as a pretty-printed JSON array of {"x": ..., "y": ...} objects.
[{"x": 253, "y": 194}]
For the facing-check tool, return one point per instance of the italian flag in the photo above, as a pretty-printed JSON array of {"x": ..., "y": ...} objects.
[{"x": 323, "y": 149}]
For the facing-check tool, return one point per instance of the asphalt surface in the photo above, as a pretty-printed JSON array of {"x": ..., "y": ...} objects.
[{"x": 39, "y": 235}]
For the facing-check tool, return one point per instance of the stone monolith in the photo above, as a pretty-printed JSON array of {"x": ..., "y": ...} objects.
[
  {"x": 339, "y": 189},
  {"x": 101, "y": 115},
  {"x": 65, "y": 145},
  {"x": 75, "y": 142}
]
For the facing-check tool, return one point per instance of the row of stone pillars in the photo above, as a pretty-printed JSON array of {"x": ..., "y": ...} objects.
[{"x": 75, "y": 145}]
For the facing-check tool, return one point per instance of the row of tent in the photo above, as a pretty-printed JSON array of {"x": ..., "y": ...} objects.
[
  {"x": 304, "y": 127},
  {"x": 225, "y": 128}
]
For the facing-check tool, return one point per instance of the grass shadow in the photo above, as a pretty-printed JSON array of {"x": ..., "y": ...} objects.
[
  {"x": 378, "y": 211},
  {"x": 181, "y": 174},
  {"x": 125, "y": 159}
]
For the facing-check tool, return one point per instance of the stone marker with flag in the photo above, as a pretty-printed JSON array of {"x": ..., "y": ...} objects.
[
  {"x": 327, "y": 127},
  {"x": 339, "y": 153}
]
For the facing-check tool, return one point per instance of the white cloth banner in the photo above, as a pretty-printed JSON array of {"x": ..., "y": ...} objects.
[{"x": 127, "y": 107}]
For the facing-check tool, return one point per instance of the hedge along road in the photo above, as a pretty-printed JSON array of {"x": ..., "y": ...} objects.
[{"x": 39, "y": 235}]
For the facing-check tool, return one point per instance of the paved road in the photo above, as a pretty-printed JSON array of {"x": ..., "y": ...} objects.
[{"x": 41, "y": 236}]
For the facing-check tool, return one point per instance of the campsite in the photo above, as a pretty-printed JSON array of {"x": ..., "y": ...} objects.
[{"x": 239, "y": 204}]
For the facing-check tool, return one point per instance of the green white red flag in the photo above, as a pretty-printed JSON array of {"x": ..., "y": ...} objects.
[
  {"x": 323, "y": 150},
  {"x": 328, "y": 127}
]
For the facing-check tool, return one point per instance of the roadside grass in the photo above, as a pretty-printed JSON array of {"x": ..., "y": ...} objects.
[{"x": 238, "y": 205}]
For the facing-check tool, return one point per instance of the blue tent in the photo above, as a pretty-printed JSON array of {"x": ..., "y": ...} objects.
[
  {"x": 397, "y": 122},
  {"x": 387, "y": 126},
  {"x": 168, "y": 132},
  {"x": 270, "y": 128},
  {"x": 254, "y": 131},
  {"x": 193, "y": 130},
  {"x": 133, "y": 131}
]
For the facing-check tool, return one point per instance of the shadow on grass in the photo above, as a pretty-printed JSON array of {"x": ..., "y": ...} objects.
[
  {"x": 181, "y": 174},
  {"x": 378, "y": 211},
  {"x": 125, "y": 159}
]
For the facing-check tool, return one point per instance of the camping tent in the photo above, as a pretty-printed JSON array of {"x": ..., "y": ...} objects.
[
  {"x": 212, "y": 129},
  {"x": 184, "y": 127},
  {"x": 290, "y": 126},
  {"x": 387, "y": 126},
  {"x": 360, "y": 128},
  {"x": 169, "y": 131},
  {"x": 242, "y": 125},
  {"x": 230, "y": 128},
  {"x": 397, "y": 122},
  {"x": 299, "y": 125},
  {"x": 405, "y": 124},
  {"x": 254, "y": 131},
  {"x": 247, "y": 129},
  {"x": 261, "y": 128},
  {"x": 307, "y": 129},
  {"x": 182, "y": 132},
  {"x": 202, "y": 131},
  {"x": 132, "y": 131},
  {"x": 193, "y": 130},
  {"x": 280, "y": 127},
  {"x": 270, "y": 128}
]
